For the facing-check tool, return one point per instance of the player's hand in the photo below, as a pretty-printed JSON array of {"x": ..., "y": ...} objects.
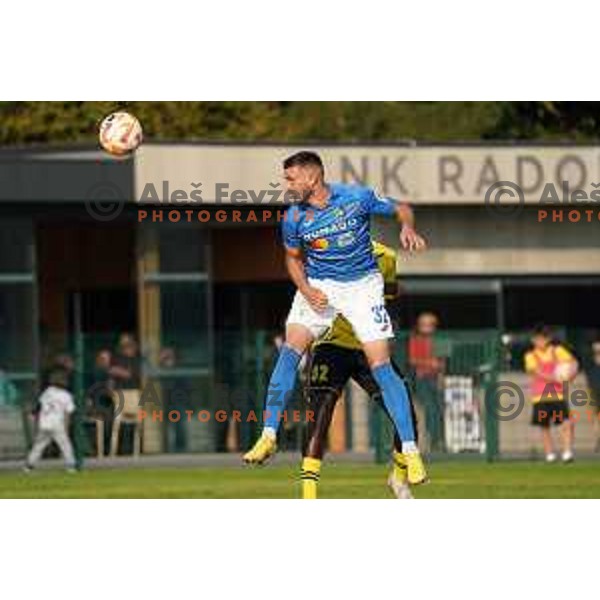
[
  {"x": 316, "y": 298},
  {"x": 411, "y": 241}
]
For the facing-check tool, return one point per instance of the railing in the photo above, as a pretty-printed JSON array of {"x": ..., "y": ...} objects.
[{"x": 233, "y": 377}]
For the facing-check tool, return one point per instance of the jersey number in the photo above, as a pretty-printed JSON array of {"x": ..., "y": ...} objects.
[
  {"x": 380, "y": 315},
  {"x": 320, "y": 373}
]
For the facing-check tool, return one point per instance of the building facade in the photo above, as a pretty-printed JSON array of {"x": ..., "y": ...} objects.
[{"x": 91, "y": 247}]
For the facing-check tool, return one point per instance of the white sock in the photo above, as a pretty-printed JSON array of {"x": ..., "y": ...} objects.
[
  {"x": 409, "y": 447},
  {"x": 270, "y": 432}
]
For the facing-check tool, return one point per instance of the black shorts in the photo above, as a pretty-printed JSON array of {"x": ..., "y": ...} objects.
[
  {"x": 550, "y": 413},
  {"x": 331, "y": 367}
]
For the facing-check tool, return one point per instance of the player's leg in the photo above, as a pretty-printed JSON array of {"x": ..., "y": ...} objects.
[
  {"x": 398, "y": 477},
  {"x": 62, "y": 440},
  {"x": 322, "y": 402},
  {"x": 363, "y": 305},
  {"x": 548, "y": 444},
  {"x": 42, "y": 439},
  {"x": 302, "y": 327},
  {"x": 329, "y": 372},
  {"x": 396, "y": 398},
  {"x": 394, "y": 390},
  {"x": 566, "y": 431},
  {"x": 281, "y": 385},
  {"x": 541, "y": 419}
]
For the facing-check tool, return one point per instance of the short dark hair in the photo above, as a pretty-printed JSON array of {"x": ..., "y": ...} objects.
[
  {"x": 542, "y": 330},
  {"x": 304, "y": 158},
  {"x": 59, "y": 377}
]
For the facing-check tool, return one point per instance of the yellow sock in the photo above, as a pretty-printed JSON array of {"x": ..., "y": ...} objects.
[
  {"x": 311, "y": 470},
  {"x": 399, "y": 466}
]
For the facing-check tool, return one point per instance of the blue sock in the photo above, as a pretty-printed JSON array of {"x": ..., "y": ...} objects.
[
  {"x": 281, "y": 386},
  {"x": 396, "y": 400}
]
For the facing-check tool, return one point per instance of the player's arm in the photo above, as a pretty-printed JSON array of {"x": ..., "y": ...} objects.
[
  {"x": 409, "y": 238},
  {"x": 119, "y": 372},
  {"x": 404, "y": 215},
  {"x": 294, "y": 262}
]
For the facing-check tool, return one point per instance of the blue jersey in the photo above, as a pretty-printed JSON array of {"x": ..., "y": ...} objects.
[{"x": 336, "y": 240}]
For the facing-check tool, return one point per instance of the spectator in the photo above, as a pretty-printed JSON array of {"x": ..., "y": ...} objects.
[
  {"x": 102, "y": 366},
  {"x": 427, "y": 369},
  {"x": 593, "y": 377},
  {"x": 126, "y": 364},
  {"x": 56, "y": 404},
  {"x": 99, "y": 390},
  {"x": 549, "y": 366},
  {"x": 126, "y": 374}
]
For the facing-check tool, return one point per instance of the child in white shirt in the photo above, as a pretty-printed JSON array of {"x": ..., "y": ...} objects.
[{"x": 56, "y": 404}]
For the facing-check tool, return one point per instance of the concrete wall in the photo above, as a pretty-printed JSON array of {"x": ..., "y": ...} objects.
[
  {"x": 468, "y": 241},
  {"x": 519, "y": 437},
  {"x": 425, "y": 175}
]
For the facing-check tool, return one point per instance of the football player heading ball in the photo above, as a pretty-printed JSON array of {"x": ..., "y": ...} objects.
[{"x": 330, "y": 259}]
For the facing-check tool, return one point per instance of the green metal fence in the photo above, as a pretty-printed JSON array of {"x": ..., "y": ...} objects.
[
  {"x": 234, "y": 376},
  {"x": 451, "y": 407}
]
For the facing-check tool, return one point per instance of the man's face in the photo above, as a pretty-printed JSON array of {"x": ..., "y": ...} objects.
[
  {"x": 103, "y": 359},
  {"x": 301, "y": 181},
  {"x": 128, "y": 346},
  {"x": 427, "y": 325}
]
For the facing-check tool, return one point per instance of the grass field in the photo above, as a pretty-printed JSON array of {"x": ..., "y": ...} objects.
[{"x": 449, "y": 480}]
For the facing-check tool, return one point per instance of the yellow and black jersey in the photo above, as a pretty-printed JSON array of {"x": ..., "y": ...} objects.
[{"x": 341, "y": 332}]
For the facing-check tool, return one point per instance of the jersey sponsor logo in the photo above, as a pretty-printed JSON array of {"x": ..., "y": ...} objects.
[
  {"x": 330, "y": 229},
  {"x": 346, "y": 239},
  {"x": 319, "y": 244}
]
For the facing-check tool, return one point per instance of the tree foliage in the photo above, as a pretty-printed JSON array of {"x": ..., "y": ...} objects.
[{"x": 61, "y": 122}]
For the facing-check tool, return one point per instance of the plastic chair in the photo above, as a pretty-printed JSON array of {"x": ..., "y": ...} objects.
[{"x": 126, "y": 413}]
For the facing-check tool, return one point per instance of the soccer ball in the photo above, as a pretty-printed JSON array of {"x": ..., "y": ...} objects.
[
  {"x": 565, "y": 371},
  {"x": 120, "y": 133}
]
